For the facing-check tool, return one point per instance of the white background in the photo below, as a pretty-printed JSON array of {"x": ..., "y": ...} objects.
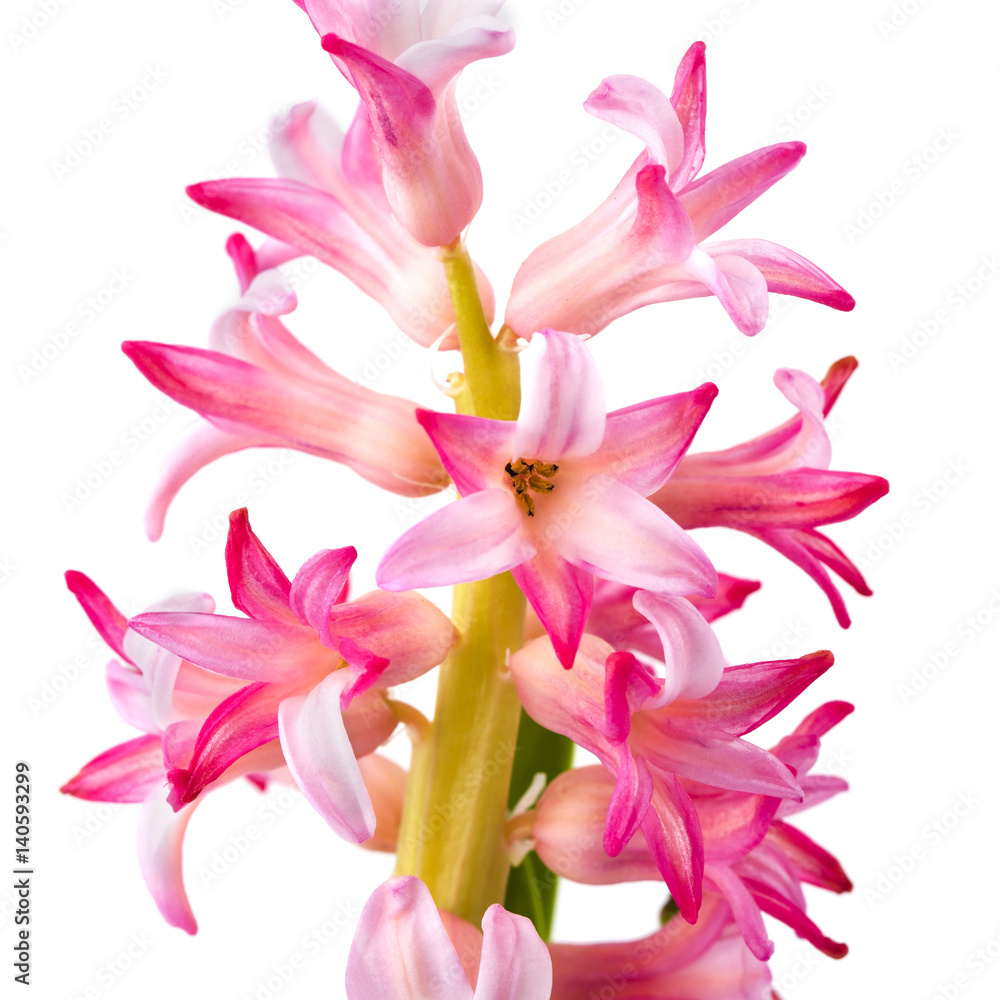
[{"x": 886, "y": 82}]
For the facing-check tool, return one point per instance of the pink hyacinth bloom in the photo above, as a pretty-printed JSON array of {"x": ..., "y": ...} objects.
[
  {"x": 329, "y": 201},
  {"x": 753, "y": 857},
  {"x": 404, "y": 62},
  {"x": 402, "y": 951},
  {"x": 314, "y": 669},
  {"x": 164, "y": 697},
  {"x": 557, "y": 497},
  {"x": 645, "y": 244},
  {"x": 651, "y": 732},
  {"x": 778, "y": 487},
  {"x": 260, "y": 387},
  {"x": 704, "y": 961}
]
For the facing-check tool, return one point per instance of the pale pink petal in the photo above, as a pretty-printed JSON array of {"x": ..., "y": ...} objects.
[
  {"x": 691, "y": 650},
  {"x": 712, "y": 200},
  {"x": 317, "y": 587},
  {"x": 688, "y": 100},
  {"x": 644, "y": 443},
  {"x": 745, "y": 910},
  {"x": 387, "y": 27},
  {"x": 401, "y": 950},
  {"x": 129, "y": 691},
  {"x": 98, "y": 607},
  {"x": 474, "y": 538},
  {"x": 161, "y": 841},
  {"x": 560, "y": 595},
  {"x": 736, "y": 283},
  {"x": 437, "y": 61},
  {"x": 562, "y": 406},
  {"x": 257, "y": 584},
  {"x": 618, "y": 535},
  {"x": 515, "y": 963},
  {"x": 368, "y": 721},
  {"x": 786, "y": 272},
  {"x": 129, "y": 772},
  {"x": 236, "y": 647},
  {"x": 322, "y": 761}
]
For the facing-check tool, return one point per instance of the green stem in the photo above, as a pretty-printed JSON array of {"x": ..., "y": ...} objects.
[{"x": 452, "y": 832}]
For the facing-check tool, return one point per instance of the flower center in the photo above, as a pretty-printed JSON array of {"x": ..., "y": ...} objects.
[{"x": 528, "y": 477}]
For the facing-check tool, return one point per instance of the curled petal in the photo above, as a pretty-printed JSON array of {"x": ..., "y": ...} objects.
[
  {"x": 161, "y": 840},
  {"x": 745, "y": 910},
  {"x": 322, "y": 761},
  {"x": 257, "y": 584},
  {"x": 317, "y": 588}
]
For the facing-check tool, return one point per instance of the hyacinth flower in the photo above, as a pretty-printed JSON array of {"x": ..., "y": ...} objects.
[
  {"x": 558, "y": 496},
  {"x": 313, "y": 668},
  {"x": 778, "y": 487},
  {"x": 164, "y": 697},
  {"x": 653, "y": 733},
  {"x": 680, "y": 961},
  {"x": 645, "y": 244},
  {"x": 404, "y": 949},
  {"x": 329, "y": 201},
  {"x": 404, "y": 63},
  {"x": 259, "y": 387},
  {"x": 754, "y": 859}
]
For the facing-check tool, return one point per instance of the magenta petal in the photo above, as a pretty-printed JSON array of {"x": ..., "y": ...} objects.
[
  {"x": 321, "y": 759},
  {"x": 561, "y": 595},
  {"x": 366, "y": 669},
  {"x": 810, "y": 862},
  {"x": 673, "y": 834},
  {"x": 129, "y": 772},
  {"x": 787, "y": 273},
  {"x": 712, "y": 200},
  {"x": 733, "y": 591},
  {"x": 401, "y": 950},
  {"x": 244, "y": 721},
  {"x": 628, "y": 685},
  {"x": 562, "y": 407},
  {"x": 515, "y": 963},
  {"x": 750, "y": 694},
  {"x": 317, "y": 588},
  {"x": 237, "y": 647},
  {"x": 688, "y": 99},
  {"x": 619, "y": 536},
  {"x": 473, "y": 450},
  {"x": 788, "y": 913},
  {"x": 474, "y": 538},
  {"x": 257, "y": 584},
  {"x": 629, "y": 802},
  {"x": 103, "y": 615},
  {"x": 745, "y": 910},
  {"x": 161, "y": 840},
  {"x": 643, "y": 444}
]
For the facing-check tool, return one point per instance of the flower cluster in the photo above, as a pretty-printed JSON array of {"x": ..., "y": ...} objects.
[{"x": 583, "y": 605}]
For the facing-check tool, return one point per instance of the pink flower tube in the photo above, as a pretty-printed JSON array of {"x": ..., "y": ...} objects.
[{"x": 645, "y": 244}]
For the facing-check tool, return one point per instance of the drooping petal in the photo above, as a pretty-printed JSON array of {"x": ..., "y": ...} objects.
[
  {"x": 629, "y": 802},
  {"x": 322, "y": 761},
  {"x": 161, "y": 840},
  {"x": 515, "y": 963},
  {"x": 129, "y": 691},
  {"x": 619, "y": 536},
  {"x": 562, "y": 409},
  {"x": 98, "y": 607},
  {"x": 129, "y": 772},
  {"x": 691, "y": 650},
  {"x": 745, "y": 910},
  {"x": 628, "y": 685},
  {"x": 733, "y": 591},
  {"x": 474, "y": 538},
  {"x": 400, "y": 949},
  {"x": 257, "y": 584},
  {"x": 560, "y": 595},
  {"x": 777, "y": 906},
  {"x": 810, "y": 862}
]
